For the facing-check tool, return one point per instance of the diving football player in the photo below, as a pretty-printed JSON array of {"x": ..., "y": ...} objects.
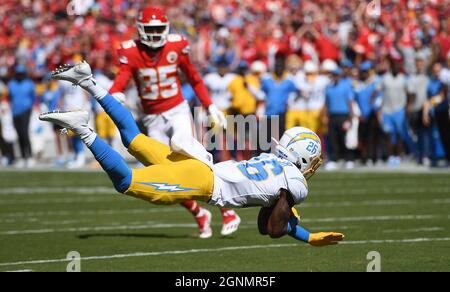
[{"x": 185, "y": 171}]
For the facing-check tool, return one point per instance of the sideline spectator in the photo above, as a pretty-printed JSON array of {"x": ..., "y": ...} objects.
[
  {"x": 438, "y": 104},
  {"x": 369, "y": 131},
  {"x": 304, "y": 108},
  {"x": 7, "y": 132},
  {"x": 339, "y": 96},
  {"x": 417, "y": 97},
  {"x": 277, "y": 88},
  {"x": 393, "y": 86},
  {"x": 51, "y": 98},
  {"x": 21, "y": 90}
]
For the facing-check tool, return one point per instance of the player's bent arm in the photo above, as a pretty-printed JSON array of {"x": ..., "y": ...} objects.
[
  {"x": 263, "y": 219},
  {"x": 281, "y": 221},
  {"x": 277, "y": 224},
  {"x": 123, "y": 77},
  {"x": 195, "y": 80}
]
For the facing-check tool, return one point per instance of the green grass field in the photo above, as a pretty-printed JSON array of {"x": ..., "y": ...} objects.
[{"x": 45, "y": 215}]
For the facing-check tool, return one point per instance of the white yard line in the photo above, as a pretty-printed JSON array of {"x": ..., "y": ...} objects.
[
  {"x": 93, "y": 212},
  {"x": 112, "y": 227},
  {"x": 348, "y": 191},
  {"x": 23, "y": 215},
  {"x": 89, "y": 190},
  {"x": 143, "y": 254},
  {"x": 150, "y": 225},
  {"x": 110, "y": 194},
  {"x": 425, "y": 229},
  {"x": 57, "y": 190},
  {"x": 155, "y": 225},
  {"x": 362, "y": 203},
  {"x": 373, "y": 218},
  {"x": 231, "y": 248},
  {"x": 410, "y": 240},
  {"x": 61, "y": 200}
]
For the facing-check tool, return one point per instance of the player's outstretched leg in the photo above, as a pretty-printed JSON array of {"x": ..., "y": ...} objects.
[
  {"x": 111, "y": 161},
  {"x": 81, "y": 74}
]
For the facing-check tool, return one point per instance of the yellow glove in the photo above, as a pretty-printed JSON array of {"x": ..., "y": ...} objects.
[{"x": 325, "y": 238}]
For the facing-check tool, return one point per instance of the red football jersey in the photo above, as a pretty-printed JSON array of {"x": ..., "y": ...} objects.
[{"x": 156, "y": 74}]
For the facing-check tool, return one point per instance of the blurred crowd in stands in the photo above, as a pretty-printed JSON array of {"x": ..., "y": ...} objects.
[{"x": 374, "y": 84}]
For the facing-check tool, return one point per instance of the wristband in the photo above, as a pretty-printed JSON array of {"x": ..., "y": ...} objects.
[{"x": 296, "y": 231}]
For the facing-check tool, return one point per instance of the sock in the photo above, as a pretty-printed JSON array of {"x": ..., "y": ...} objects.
[
  {"x": 95, "y": 90},
  {"x": 192, "y": 206},
  {"x": 113, "y": 164},
  {"x": 86, "y": 134},
  {"x": 226, "y": 212},
  {"x": 200, "y": 213},
  {"x": 122, "y": 118}
]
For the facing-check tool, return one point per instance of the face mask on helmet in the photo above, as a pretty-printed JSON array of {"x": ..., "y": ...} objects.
[
  {"x": 153, "y": 36},
  {"x": 153, "y": 27},
  {"x": 302, "y": 147}
]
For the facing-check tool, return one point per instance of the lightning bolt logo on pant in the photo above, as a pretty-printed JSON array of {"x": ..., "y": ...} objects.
[{"x": 166, "y": 187}]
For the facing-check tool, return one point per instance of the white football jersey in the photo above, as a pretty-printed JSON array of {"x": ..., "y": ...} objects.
[
  {"x": 256, "y": 182},
  {"x": 218, "y": 89},
  {"x": 74, "y": 97},
  {"x": 312, "y": 93}
]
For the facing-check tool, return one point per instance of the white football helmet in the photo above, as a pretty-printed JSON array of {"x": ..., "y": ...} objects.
[
  {"x": 153, "y": 27},
  {"x": 328, "y": 65},
  {"x": 302, "y": 147}
]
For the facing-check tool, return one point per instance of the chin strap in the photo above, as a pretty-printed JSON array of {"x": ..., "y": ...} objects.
[{"x": 316, "y": 162}]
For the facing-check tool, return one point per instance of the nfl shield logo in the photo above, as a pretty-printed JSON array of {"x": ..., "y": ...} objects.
[{"x": 172, "y": 57}]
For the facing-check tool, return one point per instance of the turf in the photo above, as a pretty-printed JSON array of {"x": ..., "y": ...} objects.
[{"x": 45, "y": 215}]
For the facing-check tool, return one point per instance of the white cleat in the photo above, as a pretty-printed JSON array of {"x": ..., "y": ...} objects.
[
  {"x": 231, "y": 223},
  {"x": 20, "y": 163},
  {"x": 79, "y": 162},
  {"x": 349, "y": 165},
  {"x": 4, "y": 162},
  {"x": 66, "y": 120},
  {"x": 75, "y": 74},
  {"x": 330, "y": 166},
  {"x": 30, "y": 163}
]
